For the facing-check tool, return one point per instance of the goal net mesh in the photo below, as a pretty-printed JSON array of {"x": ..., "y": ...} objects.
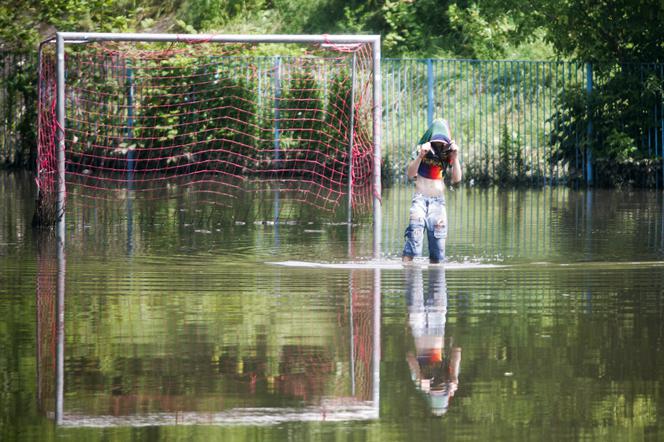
[{"x": 215, "y": 122}]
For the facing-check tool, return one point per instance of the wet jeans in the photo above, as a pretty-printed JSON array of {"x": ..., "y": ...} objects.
[{"x": 427, "y": 213}]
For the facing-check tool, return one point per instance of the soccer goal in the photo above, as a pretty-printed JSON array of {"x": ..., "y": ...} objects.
[{"x": 214, "y": 118}]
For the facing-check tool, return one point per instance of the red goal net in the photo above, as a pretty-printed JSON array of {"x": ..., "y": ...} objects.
[{"x": 213, "y": 121}]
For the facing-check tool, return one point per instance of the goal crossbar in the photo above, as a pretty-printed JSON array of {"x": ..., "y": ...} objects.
[{"x": 73, "y": 37}]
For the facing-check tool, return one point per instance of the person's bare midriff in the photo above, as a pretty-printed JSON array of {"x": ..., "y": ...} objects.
[{"x": 429, "y": 187}]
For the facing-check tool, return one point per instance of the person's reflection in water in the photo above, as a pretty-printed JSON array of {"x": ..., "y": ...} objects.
[{"x": 434, "y": 367}]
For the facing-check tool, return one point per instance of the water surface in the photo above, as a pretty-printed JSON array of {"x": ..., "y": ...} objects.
[{"x": 181, "y": 322}]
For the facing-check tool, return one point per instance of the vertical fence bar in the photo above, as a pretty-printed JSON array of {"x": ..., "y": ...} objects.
[
  {"x": 589, "y": 130},
  {"x": 409, "y": 83},
  {"x": 481, "y": 102},
  {"x": 444, "y": 101},
  {"x": 491, "y": 136},
  {"x": 419, "y": 103},
  {"x": 647, "y": 135},
  {"x": 277, "y": 98},
  {"x": 529, "y": 96},
  {"x": 457, "y": 128},
  {"x": 473, "y": 110},
  {"x": 351, "y": 134},
  {"x": 130, "y": 123},
  {"x": 512, "y": 108},
  {"x": 502, "y": 119},
  {"x": 574, "y": 68},
  {"x": 430, "y": 96},
  {"x": 388, "y": 135},
  {"x": 389, "y": 148},
  {"x": 547, "y": 127},
  {"x": 563, "y": 67},
  {"x": 518, "y": 109},
  {"x": 466, "y": 114},
  {"x": 540, "y": 167},
  {"x": 4, "y": 154},
  {"x": 554, "y": 124},
  {"x": 652, "y": 133},
  {"x": 129, "y": 135},
  {"x": 401, "y": 135}
]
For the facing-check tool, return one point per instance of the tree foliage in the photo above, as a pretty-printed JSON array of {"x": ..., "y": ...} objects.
[
  {"x": 24, "y": 23},
  {"x": 607, "y": 31},
  {"x": 616, "y": 31}
]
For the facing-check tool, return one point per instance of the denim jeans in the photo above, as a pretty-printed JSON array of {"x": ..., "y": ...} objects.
[
  {"x": 427, "y": 309},
  {"x": 427, "y": 213}
]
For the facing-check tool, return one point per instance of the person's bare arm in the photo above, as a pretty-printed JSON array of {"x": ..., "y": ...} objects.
[
  {"x": 454, "y": 161},
  {"x": 411, "y": 171}
]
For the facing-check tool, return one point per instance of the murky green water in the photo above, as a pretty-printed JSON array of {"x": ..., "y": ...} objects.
[{"x": 178, "y": 325}]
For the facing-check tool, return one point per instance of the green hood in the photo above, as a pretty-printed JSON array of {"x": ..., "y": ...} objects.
[{"x": 438, "y": 127}]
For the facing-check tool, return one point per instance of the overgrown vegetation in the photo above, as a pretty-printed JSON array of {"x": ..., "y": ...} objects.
[
  {"x": 617, "y": 123},
  {"x": 18, "y": 109}
]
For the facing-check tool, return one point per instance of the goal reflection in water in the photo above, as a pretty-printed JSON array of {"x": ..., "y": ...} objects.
[
  {"x": 434, "y": 364},
  {"x": 312, "y": 362}
]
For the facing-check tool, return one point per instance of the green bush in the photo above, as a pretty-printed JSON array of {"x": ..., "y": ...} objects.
[
  {"x": 615, "y": 123},
  {"x": 301, "y": 124}
]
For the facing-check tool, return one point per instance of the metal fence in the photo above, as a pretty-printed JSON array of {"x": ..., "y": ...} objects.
[
  {"x": 486, "y": 103},
  {"x": 504, "y": 115}
]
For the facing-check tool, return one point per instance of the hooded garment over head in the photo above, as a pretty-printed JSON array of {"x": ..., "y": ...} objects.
[{"x": 432, "y": 166}]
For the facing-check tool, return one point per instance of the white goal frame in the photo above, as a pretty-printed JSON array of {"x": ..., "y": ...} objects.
[{"x": 63, "y": 38}]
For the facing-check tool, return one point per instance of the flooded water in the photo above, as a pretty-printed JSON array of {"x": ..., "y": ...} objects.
[{"x": 167, "y": 321}]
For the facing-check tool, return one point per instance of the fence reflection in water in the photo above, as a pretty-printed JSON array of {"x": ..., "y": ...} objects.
[{"x": 495, "y": 225}]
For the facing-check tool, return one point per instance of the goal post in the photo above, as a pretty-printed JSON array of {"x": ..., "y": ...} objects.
[{"x": 207, "y": 112}]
